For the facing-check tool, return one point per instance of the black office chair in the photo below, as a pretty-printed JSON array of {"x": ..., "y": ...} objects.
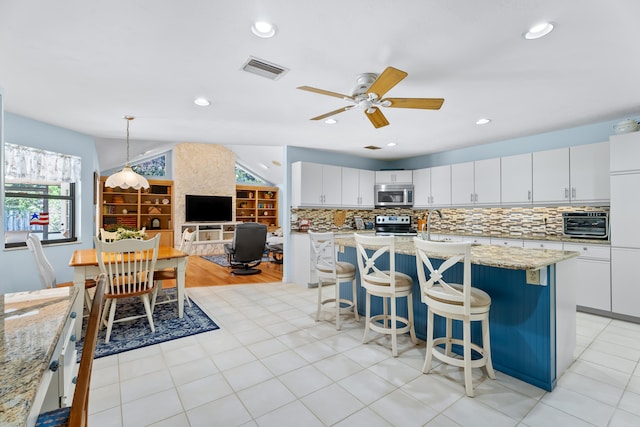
[{"x": 248, "y": 246}]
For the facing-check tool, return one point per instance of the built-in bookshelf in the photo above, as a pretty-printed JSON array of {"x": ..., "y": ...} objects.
[{"x": 257, "y": 204}]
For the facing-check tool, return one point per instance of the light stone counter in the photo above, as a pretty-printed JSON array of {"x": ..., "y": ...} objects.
[
  {"x": 513, "y": 258},
  {"x": 30, "y": 327}
]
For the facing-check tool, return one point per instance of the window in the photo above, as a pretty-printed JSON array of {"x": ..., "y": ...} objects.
[
  {"x": 243, "y": 176},
  {"x": 155, "y": 167},
  {"x": 39, "y": 195}
]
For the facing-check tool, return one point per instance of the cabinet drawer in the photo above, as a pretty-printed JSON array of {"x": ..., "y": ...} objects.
[
  {"x": 477, "y": 240},
  {"x": 602, "y": 252},
  {"x": 542, "y": 244},
  {"x": 507, "y": 242}
]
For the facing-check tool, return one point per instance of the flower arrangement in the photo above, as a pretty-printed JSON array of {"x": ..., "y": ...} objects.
[{"x": 124, "y": 232}]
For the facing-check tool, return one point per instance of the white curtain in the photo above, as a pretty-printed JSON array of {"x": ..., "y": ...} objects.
[{"x": 27, "y": 164}]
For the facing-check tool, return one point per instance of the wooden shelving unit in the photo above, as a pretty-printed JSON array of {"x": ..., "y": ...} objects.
[
  {"x": 257, "y": 204},
  {"x": 151, "y": 208}
]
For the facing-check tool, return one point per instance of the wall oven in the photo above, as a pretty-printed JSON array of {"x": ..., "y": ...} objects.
[
  {"x": 393, "y": 195},
  {"x": 586, "y": 225}
]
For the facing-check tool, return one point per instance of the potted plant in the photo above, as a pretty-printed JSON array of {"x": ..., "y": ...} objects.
[{"x": 126, "y": 232}]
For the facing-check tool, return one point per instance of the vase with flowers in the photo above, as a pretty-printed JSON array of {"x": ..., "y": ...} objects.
[{"x": 126, "y": 232}]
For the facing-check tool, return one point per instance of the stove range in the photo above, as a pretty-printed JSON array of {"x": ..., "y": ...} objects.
[{"x": 394, "y": 225}]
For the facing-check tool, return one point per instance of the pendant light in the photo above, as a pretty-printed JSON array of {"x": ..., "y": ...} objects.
[{"x": 127, "y": 178}]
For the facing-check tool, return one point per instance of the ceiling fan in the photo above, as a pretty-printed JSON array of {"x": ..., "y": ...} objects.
[{"x": 367, "y": 96}]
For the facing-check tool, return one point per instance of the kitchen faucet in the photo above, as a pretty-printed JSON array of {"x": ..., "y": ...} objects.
[{"x": 429, "y": 221}]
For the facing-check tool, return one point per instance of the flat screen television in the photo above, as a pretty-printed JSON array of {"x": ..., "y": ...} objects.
[{"x": 208, "y": 208}]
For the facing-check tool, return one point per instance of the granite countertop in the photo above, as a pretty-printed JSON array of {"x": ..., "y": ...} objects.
[
  {"x": 490, "y": 255},
  {"x": 30, "y": 328}
]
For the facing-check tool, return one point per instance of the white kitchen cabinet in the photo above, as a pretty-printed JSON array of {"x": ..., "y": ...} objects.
[
  {"x": 625, "y": 281},
  {"x": 441, "y": 186},
  {"x": 477, "y": 240},
  {"x": 357, "y": 188},
  {"x": 394, "y": 177},
  {"x": 589, "y": 173},
  {"x": 299, "y": 257},
  {"x": 475, "y": 183},
  {"x": 462, "y": 187},
  {"x": 542, "y": 244},
  {"x": 313, "y": 184},
  {"x": 422, "y": 188},
  {"x": 551, "y": 176},
  {"x": 516, "y": 179},
  {"x": 624, "y": 210},
  {"x": 593, "y": 276},
  {"x": 517, "y": 243},
  {"x": 625, "y": 152}
]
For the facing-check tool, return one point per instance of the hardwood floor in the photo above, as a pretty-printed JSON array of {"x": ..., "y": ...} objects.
[{"x": 201, "y": 272}]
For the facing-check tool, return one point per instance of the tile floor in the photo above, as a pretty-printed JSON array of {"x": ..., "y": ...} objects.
[{"x": 271, "y": 364}]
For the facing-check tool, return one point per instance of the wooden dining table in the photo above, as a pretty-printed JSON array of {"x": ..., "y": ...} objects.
[{"x": 85, "y": 265}]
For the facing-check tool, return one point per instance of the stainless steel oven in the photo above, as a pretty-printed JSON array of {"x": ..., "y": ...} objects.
[
  {"x": 586, "y": 225},
  {"x": 393, "y": 195}
]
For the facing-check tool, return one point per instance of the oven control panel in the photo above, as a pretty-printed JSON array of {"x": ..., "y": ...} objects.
[{"x": 393, "y": 220}]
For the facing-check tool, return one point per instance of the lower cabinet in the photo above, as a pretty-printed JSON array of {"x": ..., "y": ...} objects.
[
  {"x": 166, "y": 237},
  {"x": 300, "y": 258},
  {"x": 625, "y": 289},
  {"x": 593, "y": 277}
]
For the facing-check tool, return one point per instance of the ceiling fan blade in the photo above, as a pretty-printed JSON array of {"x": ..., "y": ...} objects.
[
  {"x": 325, "y": 92},
  {"x": 424, "y": 103},
  {"x": 388, "y": 79},
  {"x": 377, "y": 119},
  {"x": 324, "y": 116}
]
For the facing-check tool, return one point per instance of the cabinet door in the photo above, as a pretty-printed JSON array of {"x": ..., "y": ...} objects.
[
  {"x": 625, "y": 152},
  {"x": 350, "y": 187},
  {"x": 462, "y": 189},
  {"x": 394, "y": 177},
  {"x": 367, "y": 182},
  {"x": 421, "y": 187},
  {"x": 625, "y": 281},
  {"x": 441, "y": 185},
  {"x": 624, "y": 211},
  {"x": 332, "y": 185},
  {"x": 516, "y": 179},
  {"x": 551, "y": 176},
  {"x": 307, "y": 184},
  {"x": 589, "y": 172},
  {"x": 487, "y": 181}
]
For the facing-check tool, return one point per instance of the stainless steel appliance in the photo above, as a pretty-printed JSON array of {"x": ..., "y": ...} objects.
[
  {"x": 586, "y": 225},
  {"x": 394, "y": 225},
  {"x": 393, "y": 195}
]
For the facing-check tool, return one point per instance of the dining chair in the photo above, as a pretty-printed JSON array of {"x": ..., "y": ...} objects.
[
  {"x": 453, "y": 301},
  {"x": 48, "y": 274},
  {"x": 159, "y": 276},
  {"x": 129, "y": 265},
  {"x": 108, "y": 236},
  {"x": 331, "y": 271},
  {"x": 388, "y": 284},
  {"x": 78, "y": 413}
]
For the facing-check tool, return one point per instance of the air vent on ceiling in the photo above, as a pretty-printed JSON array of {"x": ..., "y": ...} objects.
[
  {"x": 372, "y": 147},
  {"x": 264, "y": 68}
]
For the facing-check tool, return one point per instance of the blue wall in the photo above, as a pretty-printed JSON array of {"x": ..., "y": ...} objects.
[{"x": 17, "y": 265}]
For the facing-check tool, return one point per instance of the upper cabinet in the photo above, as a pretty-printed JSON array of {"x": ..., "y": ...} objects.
[
  {"x": 357, "y": 188},
  {"x": 317, "y": 185},
  {"x": 589, "y": 172},
  {"x": 551, "y": 176},
  {"x": 394, "y": 177},
  {"x": 476, "y": 183},
  {"x": 516, "y": 179},
  {"x": 625, "y": 152},
  {"x": 432, "y": 187}
]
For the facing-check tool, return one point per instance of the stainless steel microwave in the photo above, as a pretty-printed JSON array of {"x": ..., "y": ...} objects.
[
  {"x": 393, "y": 195},
  {"x": 589, "y": 225}
]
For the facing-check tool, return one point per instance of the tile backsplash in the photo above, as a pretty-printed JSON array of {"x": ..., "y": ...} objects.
[{"x": 524, "y": 222}]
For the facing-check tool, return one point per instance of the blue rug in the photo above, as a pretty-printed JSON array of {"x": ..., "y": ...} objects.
[
  {"x": 136, "y": 333},
  {"x": 221, "y": 260}
]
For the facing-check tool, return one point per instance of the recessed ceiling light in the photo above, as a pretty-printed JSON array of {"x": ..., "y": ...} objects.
[
  {"x": 538, "y": 31},
  {"x": 482, "y": 121},
  {"x": 391, "y": 144},
  {"x": 331, "y": 121},
  {"x": 263, "y": 29},
  {"x": 202, "y": 102}
]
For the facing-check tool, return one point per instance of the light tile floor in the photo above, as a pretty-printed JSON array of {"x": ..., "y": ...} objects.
[{"x": 271, "y": 364}]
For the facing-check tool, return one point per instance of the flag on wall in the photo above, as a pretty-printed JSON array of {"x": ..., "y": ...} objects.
[{"x": 39, "y": 219}]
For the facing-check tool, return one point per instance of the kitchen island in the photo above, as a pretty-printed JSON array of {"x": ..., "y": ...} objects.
[{"x": 532, "y": 318}]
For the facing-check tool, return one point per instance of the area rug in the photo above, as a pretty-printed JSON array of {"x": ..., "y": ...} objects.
[
  {"x": 136, "y": 333},
  {"x": 221, "y": 260}
]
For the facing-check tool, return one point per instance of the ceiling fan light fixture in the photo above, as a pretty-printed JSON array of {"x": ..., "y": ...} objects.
[
  {"x": 539, "y": 31},
  {"x": 331, "y": 121},
  {"x": 391, "y": 144},
  {"x": 127, "y": 178},
  {"x": 263, "y": 29},
  {"x": 483, "y": 121}
]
